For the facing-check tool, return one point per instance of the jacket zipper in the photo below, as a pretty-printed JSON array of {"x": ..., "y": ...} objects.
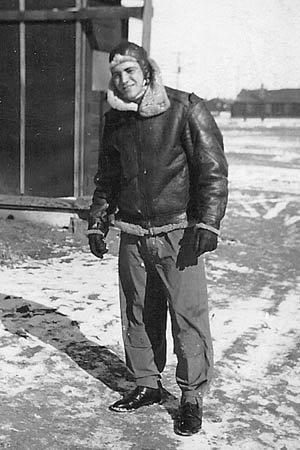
[{"x": 142, "y": 170}]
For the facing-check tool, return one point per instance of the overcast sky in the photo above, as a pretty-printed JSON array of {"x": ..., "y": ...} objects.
[{"x": 223, "y": 46}]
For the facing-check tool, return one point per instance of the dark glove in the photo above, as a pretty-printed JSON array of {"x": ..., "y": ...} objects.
[
  {"x": 98, "y": 227},
  {"x": 97, "y": 245},
  {"x": 206, "y": 241}
]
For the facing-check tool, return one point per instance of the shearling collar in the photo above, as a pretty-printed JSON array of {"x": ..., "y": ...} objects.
[{"x": 155, "y": 100}]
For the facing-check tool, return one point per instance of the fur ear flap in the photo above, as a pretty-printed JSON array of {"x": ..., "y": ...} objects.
[{"x": 155, "y": 100}]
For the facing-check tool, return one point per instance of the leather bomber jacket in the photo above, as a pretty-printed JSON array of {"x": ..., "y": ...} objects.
[{"x": 155, "y": 169}]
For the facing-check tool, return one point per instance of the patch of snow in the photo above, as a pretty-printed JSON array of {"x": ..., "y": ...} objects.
[{"x": 276, "y": 179}]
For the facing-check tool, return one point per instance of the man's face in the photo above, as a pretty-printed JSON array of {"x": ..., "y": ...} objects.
[{"x": 128, "y": 79}]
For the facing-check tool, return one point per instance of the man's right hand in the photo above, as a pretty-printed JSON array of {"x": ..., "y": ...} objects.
[
  {"x": 98, "y": 228},
  {"x": 97, "y": 245}
]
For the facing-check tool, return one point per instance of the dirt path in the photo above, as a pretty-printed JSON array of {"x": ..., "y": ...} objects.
[{"x": 61, "y": 353}]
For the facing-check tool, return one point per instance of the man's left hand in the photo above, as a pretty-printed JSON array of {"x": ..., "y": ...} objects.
[{"x": 206, "y": 241}]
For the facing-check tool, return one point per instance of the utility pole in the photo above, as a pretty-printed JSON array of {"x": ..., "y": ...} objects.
[
  {"x": 262, "y": 106},
  {"x": 147, "y": 17},
  {"x": 178, "y": 71}
]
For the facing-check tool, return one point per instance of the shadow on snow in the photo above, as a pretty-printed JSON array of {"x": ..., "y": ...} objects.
[{"x": 24, "y": 318}]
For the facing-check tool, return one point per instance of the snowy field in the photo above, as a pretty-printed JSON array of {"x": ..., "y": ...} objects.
[
  {"x": 264, "y": 156},
  {"x": 60, "y": 322}
]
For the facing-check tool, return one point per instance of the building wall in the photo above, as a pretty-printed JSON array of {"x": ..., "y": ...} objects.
[
  {"x": 241, "y": 109},
  {"x": 9, "y": 103},
  {"x": 50, "y": 101},
  {"x": 50, "y": 109}
]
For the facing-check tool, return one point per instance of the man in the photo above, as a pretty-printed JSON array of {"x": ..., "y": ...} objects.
[{"x": 163, "y": 174}]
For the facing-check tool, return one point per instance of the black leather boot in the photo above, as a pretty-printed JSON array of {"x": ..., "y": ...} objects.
[
  {"x": 141, "y": 396},
  {"x": 190, "y": 419}
]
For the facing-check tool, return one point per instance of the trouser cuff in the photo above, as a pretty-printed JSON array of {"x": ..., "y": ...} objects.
[
  {"x": 151, "y": 382},
  {"x": 192, "y": 397}
]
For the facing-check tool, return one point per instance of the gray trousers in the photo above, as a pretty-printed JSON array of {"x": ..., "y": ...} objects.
[{"x": 157, "y": 273}]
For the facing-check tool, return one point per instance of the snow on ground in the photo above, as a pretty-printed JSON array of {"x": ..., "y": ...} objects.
[
  {"x": 61, "y": 350},
  {"x": 80, "y": 286},
  {"x": 282, "y": 123},
  {"x": 264, "y": 178}
]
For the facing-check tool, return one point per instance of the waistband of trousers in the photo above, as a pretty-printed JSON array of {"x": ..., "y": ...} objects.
[
  {"x": 151, "y": 227},
  {"x": 137, "y": 230}
]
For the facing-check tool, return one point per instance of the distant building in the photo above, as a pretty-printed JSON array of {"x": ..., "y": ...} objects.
[
  {"x": 267, "y": 103},
  {"x": 217, "y": 105}
]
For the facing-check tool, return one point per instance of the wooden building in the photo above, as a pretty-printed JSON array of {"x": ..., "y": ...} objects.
[
  {"x": 267, "y": 103},
  {"x": 53, "y": 77},
  {"x": 217, "y": 105}
]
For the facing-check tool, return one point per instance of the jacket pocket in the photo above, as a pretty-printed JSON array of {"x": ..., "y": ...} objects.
[{"x": 129, "y": 163}]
